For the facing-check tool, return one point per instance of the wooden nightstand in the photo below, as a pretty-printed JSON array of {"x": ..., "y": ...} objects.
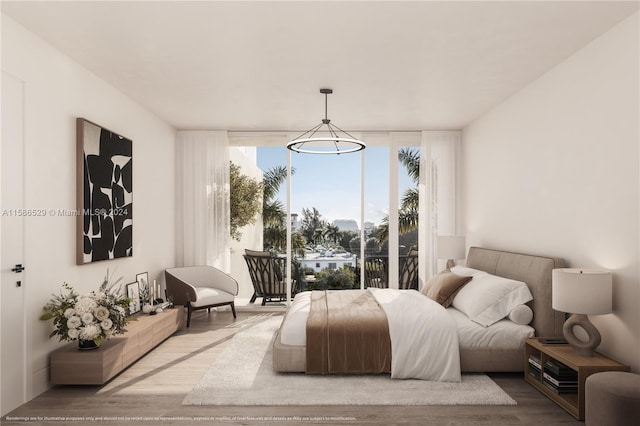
[{"x": 583, "y": 366}]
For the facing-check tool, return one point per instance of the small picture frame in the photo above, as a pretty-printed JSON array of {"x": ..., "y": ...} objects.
[
  {"x": 133, "y": 292},
  {"x": 143, "y": 283}
]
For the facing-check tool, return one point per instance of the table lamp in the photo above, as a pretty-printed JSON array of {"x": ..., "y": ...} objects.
[
  {"x": 451, "y": 248},
  {"x": 581, "y": 292}
]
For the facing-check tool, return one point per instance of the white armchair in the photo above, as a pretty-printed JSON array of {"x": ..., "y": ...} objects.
[{"x": 200, "y": 287}]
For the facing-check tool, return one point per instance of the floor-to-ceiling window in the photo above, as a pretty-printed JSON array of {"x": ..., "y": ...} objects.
[{"x": 354, "y": 217}]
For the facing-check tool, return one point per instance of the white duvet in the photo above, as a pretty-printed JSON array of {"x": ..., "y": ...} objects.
[{"x": 424, "y": 337}]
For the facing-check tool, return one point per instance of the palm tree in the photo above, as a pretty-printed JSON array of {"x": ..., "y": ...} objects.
[
  {"x": 408, "y": 213},
  {"x": 274, "y": 214},
  {"x": 332, "y": 233},
  {"x": 273, "y": 211}
]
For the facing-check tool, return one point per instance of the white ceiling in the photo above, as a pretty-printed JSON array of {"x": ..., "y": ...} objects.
[{"x": 259, "y": 65}]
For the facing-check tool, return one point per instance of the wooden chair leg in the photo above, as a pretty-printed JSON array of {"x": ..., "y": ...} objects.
[
  {"x": 188, "y": 314},
  {"x": 233, "y": 309},
  {"x": 253, "y": 298}
]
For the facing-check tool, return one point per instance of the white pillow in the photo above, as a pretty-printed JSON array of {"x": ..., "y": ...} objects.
[
  {"x": 464, "y": 271},
  {"x": 521, "y": 314},
  {"x": 488, "y": 298}
]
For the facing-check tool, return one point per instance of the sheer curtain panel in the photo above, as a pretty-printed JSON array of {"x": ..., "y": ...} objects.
[
  {"x": 203, "y": 226},
  {"x": 437, "y": 201}
]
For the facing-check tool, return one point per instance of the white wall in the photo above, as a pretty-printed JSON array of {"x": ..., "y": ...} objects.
[
  {"x": 554, "y": 171},
  {"x": 57, "y": 90}
]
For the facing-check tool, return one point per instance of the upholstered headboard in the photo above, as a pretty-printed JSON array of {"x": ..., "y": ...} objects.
[{"x": 533, "y": 270}]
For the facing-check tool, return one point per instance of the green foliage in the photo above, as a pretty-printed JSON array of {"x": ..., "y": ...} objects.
[
  {"x": 313, "y": 225},
  {"x": 245, "y": 200},
  {"x": 298, "y": 243},
  {"x": 408, "y": 213},
  {"x": 335, "y": 279}
]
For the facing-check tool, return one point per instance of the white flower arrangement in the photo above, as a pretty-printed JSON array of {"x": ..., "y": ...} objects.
[{"x": 95, "y": 316}]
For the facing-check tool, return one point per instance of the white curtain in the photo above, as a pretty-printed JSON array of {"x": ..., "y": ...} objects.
[
  {"x": 437, "y": 187},
  {"x": 202, "y": 197}
]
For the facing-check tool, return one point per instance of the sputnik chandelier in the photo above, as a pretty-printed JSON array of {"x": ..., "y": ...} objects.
[{"x": 332, "y": 140}]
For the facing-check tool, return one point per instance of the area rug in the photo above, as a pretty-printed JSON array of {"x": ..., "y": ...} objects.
[{"x": 242, "y": 375}]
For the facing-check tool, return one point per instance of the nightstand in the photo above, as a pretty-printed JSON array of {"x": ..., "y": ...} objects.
[{"x": 575, "y": 367}]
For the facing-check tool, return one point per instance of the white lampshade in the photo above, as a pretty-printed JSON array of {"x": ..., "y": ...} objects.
[
  {"x": 581, "y": 291},
  {"x": 450, "y": 247}
]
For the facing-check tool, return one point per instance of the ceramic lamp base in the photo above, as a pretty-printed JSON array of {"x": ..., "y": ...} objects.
[{"x": 581, "y": 347}]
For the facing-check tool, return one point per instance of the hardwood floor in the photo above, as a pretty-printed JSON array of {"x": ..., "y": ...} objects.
[{"x": 151, "y": 391}]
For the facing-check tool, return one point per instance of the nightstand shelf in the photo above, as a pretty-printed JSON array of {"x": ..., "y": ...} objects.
[{"x": 583, "y": 366}]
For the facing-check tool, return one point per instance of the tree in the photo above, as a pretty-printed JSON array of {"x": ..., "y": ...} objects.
[
  {"x": 408, "y": 213},
  {"x": 244, "y": 200},
  {"x": 312, "y": 226},
  {"x": 332, "y": 233},
  {"x": 274, "y": 214},
  {"x": 345, "y": 239}
]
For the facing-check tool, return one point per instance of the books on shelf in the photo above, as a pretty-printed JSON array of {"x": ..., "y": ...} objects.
[
  {"x": 535, "y": 367},
  {"x": 534, "y": 361},
  {"x": 573, "y": 381},
  {"x": 535, "y": 373},
  {"x": 555, "y": 375},
  {"x": 558, "y": 369},
  {"x": 561, "y": 389}
]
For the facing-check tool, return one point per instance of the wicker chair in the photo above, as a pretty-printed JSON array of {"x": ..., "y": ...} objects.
[
  {"x": 408, "y": 278},
  {"x": 376, "y": 271},
  {"x": 268, "y": 277}
]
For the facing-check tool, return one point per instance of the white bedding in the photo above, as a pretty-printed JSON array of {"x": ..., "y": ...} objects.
[
  {"x": 502, "y": 334},
  {"x": 429, "y": 352},
  {"x": 424, "y": 338}
]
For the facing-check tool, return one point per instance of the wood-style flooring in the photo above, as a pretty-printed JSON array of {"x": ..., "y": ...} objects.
[{"x": 150, "y": 392}]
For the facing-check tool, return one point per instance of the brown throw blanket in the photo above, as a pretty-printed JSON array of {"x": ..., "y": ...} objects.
[{"x": 347, "y": 332}]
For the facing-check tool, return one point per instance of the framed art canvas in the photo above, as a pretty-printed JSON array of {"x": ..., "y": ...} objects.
[
  {"x": 143, "y": 283},
  {"x": 105, "y": 194},
  {"x": 133, "y": 292}
]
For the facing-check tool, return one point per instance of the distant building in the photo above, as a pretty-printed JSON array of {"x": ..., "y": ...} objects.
[
  {"x": 346, "y": 224},
  {"x": 320, "y": 261},
  {"x": 368, "y": 228},
  {"x": 295, "y": 224}
]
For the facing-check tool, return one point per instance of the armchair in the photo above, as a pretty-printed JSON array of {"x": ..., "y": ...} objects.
[
  {"x": 267, "y": 276},
  {"x": 200, "y": 287}
]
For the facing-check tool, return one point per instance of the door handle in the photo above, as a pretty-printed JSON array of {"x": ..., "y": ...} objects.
[{"x": 18, "y": 268}]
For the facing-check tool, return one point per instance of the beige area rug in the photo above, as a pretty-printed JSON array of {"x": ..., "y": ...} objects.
[{"x": 242, "y": 375}]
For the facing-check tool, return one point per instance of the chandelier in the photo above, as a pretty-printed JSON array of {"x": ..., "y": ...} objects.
[{"x": 326, "y": 138}]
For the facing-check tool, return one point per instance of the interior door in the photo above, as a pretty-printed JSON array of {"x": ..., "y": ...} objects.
[{"x": 13, "y": 354}]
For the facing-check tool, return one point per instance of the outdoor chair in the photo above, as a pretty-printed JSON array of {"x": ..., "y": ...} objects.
[
  {"x": 409, "y": 272},
  {"x": 200, "y": 287},
  {"x": 268, "y": 276},
  {"x": 375, "y": 272}
]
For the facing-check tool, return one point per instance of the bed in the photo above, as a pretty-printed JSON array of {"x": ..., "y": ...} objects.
[{"x": 489, "y": 353}]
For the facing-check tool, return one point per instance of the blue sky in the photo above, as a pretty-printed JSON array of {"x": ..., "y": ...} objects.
[{"x": 331, "y": 183}]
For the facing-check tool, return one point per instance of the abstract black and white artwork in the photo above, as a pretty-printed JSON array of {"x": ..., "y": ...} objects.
[{"x": 105, "y": 194}]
